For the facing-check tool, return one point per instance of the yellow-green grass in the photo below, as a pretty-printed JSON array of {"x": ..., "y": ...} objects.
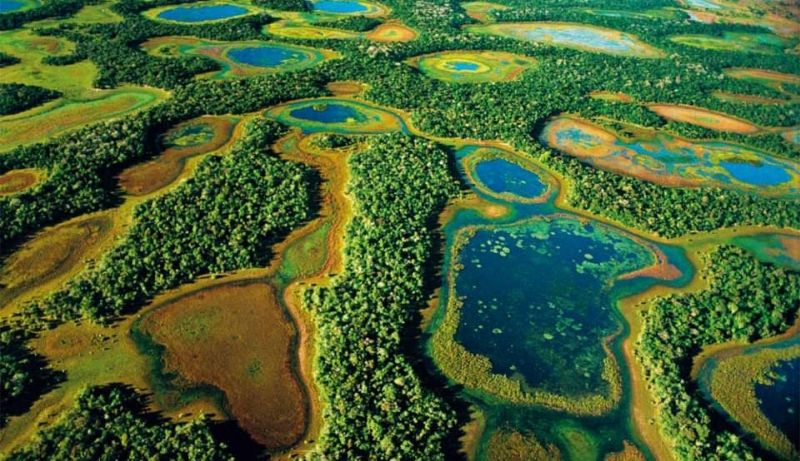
[
  {"x": 237, "y": 338},
  {"x": 73, "y": 80},
  {"x": 571, "y": 35},
  {"x": 731, "y": 41},
  {"x": 16, "y": 181},
  {"x": 510, "y": 445},
  {"x": 480, "y": 10},
  {"x": 704, "y": 117},
  {"x": 301, "y": 57},
  {"x": 154, "y": 13},
  {"x": 89, "y": 14},
  {"x": 472, "y": 66},
  {"x": 614, "y": 96},
  {"x": 732, "y": 384},
  {"x": 192, "y": 138},
  {"x": 52, "y": 119},
  {"x": 304, "y": 31},
  {"x": 337, "y": 115}
]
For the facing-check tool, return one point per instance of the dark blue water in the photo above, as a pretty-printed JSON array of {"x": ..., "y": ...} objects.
[
  {"x": 7, "y": 6},
  {"x": 327, "y": 113},
  {"x": 202, "y": 13},
  {"x": 463, "y": 65},
  {"x": 502, "y": 176},
  {"x": 264, "y": 56},
  {"x": 759, "y": 175},
  {"x": 340, "y": 7},
  {"x": 780, "y": 401},
  {"x": 538, "y": 300}
]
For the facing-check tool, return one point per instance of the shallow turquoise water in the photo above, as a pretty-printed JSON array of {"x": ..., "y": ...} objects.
[
  {"x": 327, "y": 113},
  {"x": 7, "y": 6},
  {"x": 780, "y": 401},
  {"x": 502, "y": 176},
  {"x": 202, "y": 13},
  {"x": 264, "y": 56},
  {"x": 703, "y": 4},
  {"x": 340, "y": 7}
]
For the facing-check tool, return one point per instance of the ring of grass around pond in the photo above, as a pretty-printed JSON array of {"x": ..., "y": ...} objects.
[
  {"x": 16, "y": 181},
  {"x": 704, "y": 117},
  {"x": 472, "y": 66},
  {"x": 733, "y": 41},
  {"x": 13, "y": 6},
  {"x": 349, "y": 8},
  {"x": 665, "y": 159},
  {"x": 577, "y": 36},
  {"x": 391, "y": 32},
  {"x": 188, "y": 139},
  {"x": 255, "y": 372},
  {"x": 480, "y": 11},
  {"x": 337, "y": 115},
  {"x": 756, "y": 386},
  {"x": 200, "y": 12},
  {"x": 46, "y": 121},
  {"x": 776, "y": 248},
  {"x": 506, "y": 338},
  {"x": 504, "y": 176},
  {"x": 241, "y": 59}
]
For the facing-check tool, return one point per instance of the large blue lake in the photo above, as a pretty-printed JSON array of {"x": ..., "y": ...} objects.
[{"x": 202, "y": 13}]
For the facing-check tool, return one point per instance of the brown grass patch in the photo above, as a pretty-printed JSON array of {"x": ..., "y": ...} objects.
[
  {"x": 389, "y": 32},
  {"x": 237, "y": 338},
  {"x": 16, "y": 181},
  {"x": 704, "y": 118},
  {"x": 151, "y": 176}
]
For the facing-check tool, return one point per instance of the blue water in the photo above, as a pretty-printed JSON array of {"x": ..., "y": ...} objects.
[
  {"x": 339, "y": 7},
  {"x": 780, "y": 401},
  {"x": 502, "y": 176},
  {"x": 538, "y": 300},
  {"x": 202, "y": 13},
  {"x": 758, "y": 175},
  {"x": 577, "y": 36},
  {"x": 327, "y": 113},
  {"x": 7, "y": 6},
  {"x": 462, "y": 65},
  {"x": 264, "y": 56}
]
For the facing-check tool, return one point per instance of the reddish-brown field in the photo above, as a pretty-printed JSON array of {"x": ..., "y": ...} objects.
[
  {"x": 236, "y": 337},
  {"x": 18, "y": 180},
  {"x": 148, "y": 177}
]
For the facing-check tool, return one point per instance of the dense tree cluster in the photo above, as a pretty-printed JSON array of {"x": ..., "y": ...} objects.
[
  {"x": 110, "y": 422},
  {"x": 231, "y": 212},
  {"x": 284, "y": 5},
  {"x": 24, "y": 375},
  {"x": 7, "y": 59},
  {"x": 745, "y": 300},
  {"x": 48, "y": 9},
  {"x": 376, "y": 405},
  {"x": 640, "y": 204},
  {"x": 16, "y": 97}
]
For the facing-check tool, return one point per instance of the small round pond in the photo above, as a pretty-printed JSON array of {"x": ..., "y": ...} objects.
[
  {"x": 201, "y": 12},
  {"x": 337, "y": 115}
]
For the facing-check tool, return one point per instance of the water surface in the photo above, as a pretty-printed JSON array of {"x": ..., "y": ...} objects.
[{"x": 202, "y": 13}]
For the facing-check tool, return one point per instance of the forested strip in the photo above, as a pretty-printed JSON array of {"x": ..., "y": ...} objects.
[
  {"x": 16, "y": 97},
  {"x": 111, "y": 423},
  {"x": 668, "y": 211},
  {"x": 224, "y": 218},
  {"x": 376, "y": 406},
  {"x": 745, "y": 300},
  {"x": 82, "y": 165}
]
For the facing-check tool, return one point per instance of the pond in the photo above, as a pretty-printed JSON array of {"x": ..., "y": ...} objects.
[
  {"x": 202, "y": 12},
  {"x": 578, "y": 36},
  {"x": 472, "y": 66},
  {"x": 779, "y": 398},
  {"x": 337, "y": 115},
  {"x": 665, "y": 159},
  {"x": 502, "y": 176}
]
